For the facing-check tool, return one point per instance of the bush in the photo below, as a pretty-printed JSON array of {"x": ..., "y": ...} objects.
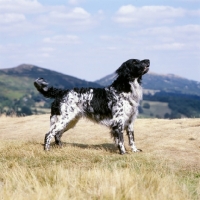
[
  {"x": 146, "y": 105},
  {"x": 140, "y": 109},
  {"x": 167, "y": 116},
  {"x": 26, "y": 110}
]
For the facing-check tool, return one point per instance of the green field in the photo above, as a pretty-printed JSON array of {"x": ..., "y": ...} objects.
[
  {"x": 157, "y": 109},
  {"x": 13, "y": 87}
]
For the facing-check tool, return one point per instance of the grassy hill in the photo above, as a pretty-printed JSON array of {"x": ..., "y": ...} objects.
[
  {"x": 19, "y": 96},
  {"x": 90, "y": 167},
  {"x": 31, "y": 72}
]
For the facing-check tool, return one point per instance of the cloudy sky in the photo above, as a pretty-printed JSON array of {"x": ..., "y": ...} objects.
[{"x": 89, "y": 39}]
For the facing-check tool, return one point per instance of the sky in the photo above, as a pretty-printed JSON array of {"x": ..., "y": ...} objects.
[{"x": 90, "y": 39}]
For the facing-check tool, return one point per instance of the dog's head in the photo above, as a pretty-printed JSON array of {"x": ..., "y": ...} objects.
[
  {"x": 129, "y": 71},
  {"x": 133, "y": 68}
]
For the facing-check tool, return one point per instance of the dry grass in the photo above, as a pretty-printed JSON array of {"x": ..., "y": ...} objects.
[{"x": 89, "y": 166}]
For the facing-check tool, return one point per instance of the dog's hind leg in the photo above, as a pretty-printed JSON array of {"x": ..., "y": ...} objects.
[
  {"x": 57, "y": 135},
  {"x": 58, "y": 138},
  {"x": 130, "y": 133},
  {"x": 62, "y": 124},
  {"x": 53, "y": 120}
]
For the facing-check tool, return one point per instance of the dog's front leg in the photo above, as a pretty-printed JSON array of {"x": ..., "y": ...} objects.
[
  {"x": 130, "y": 133},
  {"x": 119, "y": 140}
]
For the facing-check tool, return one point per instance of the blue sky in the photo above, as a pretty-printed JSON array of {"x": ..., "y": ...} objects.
[{"x": 89, "y": 39}]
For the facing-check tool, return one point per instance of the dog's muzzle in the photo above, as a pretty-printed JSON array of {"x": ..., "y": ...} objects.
[{"x": 146, "y": 69}]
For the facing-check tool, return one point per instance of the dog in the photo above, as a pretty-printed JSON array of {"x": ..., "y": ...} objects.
[{"x": 115, "y": 106}]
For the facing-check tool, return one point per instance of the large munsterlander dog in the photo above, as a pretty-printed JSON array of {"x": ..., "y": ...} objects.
[{"x": 115, "y": 106}]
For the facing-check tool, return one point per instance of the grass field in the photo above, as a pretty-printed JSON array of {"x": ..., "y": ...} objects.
[{"x": 90, "y": 167}]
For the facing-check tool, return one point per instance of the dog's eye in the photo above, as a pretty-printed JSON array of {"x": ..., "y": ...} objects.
[{"x": 136, "y": 61}]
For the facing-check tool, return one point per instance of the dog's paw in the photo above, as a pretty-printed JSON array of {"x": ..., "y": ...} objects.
[
  {"x": 137, "y": 150},
  {"x": 46, "y": 148},
  {"x": 59, "y": 143},
  {"x": 123, "y": 152}
]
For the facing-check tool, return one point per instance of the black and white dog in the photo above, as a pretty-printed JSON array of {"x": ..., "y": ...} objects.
[{"x": 115, "y": 106}]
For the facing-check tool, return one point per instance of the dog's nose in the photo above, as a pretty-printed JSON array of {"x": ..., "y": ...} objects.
[{"x": 147, "y": 62}]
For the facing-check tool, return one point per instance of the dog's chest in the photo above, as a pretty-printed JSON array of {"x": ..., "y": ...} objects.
[
  {"x": 130, "y": 105},
  {"x": 132, "y": 99}
]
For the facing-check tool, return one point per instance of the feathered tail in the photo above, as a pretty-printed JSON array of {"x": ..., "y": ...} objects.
[{"x": 49, "y": 92}]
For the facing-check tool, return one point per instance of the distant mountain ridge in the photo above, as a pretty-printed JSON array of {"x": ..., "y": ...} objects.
[
  {"x": 167, "y": 83},
  {"x": 53, "y": 77}
]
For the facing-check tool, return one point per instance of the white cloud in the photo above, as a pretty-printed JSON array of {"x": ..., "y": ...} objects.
[
  {"x": 100, "y": 12},
  {"x": 112, "y": 48},
  {"x": 22, "y": 16},
  {"x": 164, "y": 38},
  {"x": 195, "y": 13},
  {"x": 74, "y": 14},
  {"x": 74, "y": 2},
  {"x": 181, "y": 38},
  {"x": 20, "y": 6},
  {"x": 45, "y": 55},
  {"x": 11, "y": 18},
  {"x": 62, "y": 39},
  {"x": 74, "y": 19},
  {"x": 16, "y": 16},
  {"x": 47, "y": 49},
  {"x": 10, "y": 47},
  {"x": 185, "y": 33},
  {"x": 18, "y": 25},
  {"x": 130, "y": 14},
  {"x": 168, "y": 46}
]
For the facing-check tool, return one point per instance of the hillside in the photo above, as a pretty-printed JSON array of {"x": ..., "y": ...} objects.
[
  {"x": 90, "y": 167},
  {"x": 18, "y": 95},
  {"x": 30, "y": 72}
]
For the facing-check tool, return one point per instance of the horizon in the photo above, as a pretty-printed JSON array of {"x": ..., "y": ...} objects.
[
  {"x": 149, "y": 72},
  {"x": 89, "y": 39}
]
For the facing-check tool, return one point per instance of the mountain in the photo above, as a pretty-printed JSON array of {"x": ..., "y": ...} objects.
[
  {"x": 15, "y": 82},
  {"x": 156, "y": 82},
  {"x": 55, "y": 78},
  {"x": 18, "y": 95}
]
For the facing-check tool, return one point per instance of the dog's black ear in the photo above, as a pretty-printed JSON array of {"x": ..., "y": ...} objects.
[{"x": 122, "y": 70}]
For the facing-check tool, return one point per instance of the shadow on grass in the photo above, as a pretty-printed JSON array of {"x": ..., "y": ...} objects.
[{"x": 106, "y": 146}]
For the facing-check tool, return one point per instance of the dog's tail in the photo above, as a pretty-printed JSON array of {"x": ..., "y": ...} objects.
[{"x": 49, "y": 92}]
